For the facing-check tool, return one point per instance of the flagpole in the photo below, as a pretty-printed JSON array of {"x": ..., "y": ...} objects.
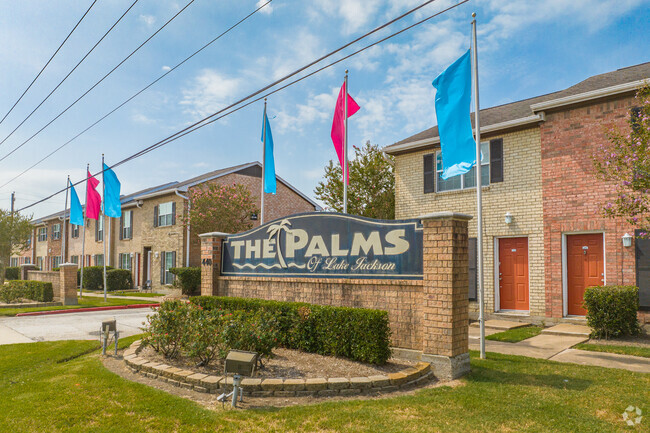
[
  {"x": 65, "y": 211},
  {"x": 479, "y": 186},
  {"x": 263, "y": 162},
  {"x": 104, "y": 225},
  {"x": 83, "y": 239},
  {"x": 345, "y": 149}
]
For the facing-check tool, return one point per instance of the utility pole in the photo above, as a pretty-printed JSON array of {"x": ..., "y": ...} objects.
[{"x": 13, "y": 200}]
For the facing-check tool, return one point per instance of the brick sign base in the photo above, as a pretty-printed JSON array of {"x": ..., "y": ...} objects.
[{"x": 428, "y": 318}]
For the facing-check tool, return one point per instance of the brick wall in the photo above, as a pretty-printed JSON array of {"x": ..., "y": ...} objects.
[
  {"x": 48, "y": 277},
  {"x": 573, "y": 196},
  {"x": 520, "y": 194}
]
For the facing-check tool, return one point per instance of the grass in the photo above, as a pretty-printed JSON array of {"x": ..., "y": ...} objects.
[
  {"x": 84, "y": 302},
  {"x": 60, "y": 387},
  {"x": 136, "y": 294},
  {"x": 610, "y": 348},
  {"x": 516, "y": 335}
]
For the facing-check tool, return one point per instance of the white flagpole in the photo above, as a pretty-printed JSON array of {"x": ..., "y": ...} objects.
[
  {"x": 104, "y": 225},
  {"x": 83, "y": 239},
  {"x": 263, "y": 162},
  {"x": 479, "y": 199},
  {"x": 65, "y": 211},
  {"x": 345, "y": 149}
]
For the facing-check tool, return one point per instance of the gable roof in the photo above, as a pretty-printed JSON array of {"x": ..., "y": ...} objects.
[{"x": 525, "y": 111}]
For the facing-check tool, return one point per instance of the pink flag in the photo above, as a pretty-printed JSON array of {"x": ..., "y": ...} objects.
[
  {"x": 93, "y": 199},
  {"x": 338, "y": 123}
]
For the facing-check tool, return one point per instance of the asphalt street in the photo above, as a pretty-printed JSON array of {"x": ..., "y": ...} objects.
[{"x": 69, "y": 326}]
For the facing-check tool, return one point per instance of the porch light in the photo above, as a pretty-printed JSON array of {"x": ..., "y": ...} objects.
[
  {"x": 627, "y": 240},
  {"x": 508, "y": 218}
]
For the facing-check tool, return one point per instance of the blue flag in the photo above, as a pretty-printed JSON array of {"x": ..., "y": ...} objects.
[
  {"x": 269, "y": 161},
  {"x": 112, "y": 205},
  {"x": 453, "y": 98},
  {"x": 76, "y": 212}
]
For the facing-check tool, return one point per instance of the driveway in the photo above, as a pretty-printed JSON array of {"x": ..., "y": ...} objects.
[{"x": 69, "y": 326}]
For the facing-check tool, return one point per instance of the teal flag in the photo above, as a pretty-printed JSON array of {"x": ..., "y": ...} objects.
[
  {"x": 112, "y": 205},
  {"x": 76, "y": 212},
  {"x": 269, "y": 161},
  {"x": 453, "y": 99}
]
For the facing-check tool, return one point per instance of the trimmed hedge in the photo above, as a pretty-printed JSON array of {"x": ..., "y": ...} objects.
[
  {"x": 24, "y": 289},
  {"x": 118, "y": 279},
  {"x": 356, "y": 333},
  {"x": 611, "y": 310},
  {"x": 94, "y": 277},
  {"x": 189, "y": 280},
  {"x": 12, "y": 273}
]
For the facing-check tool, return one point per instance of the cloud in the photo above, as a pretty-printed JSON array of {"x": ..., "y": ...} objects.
[
  {"x": 143, "y": 119},
  {"x": 209, "y": 92},
  {"x": 353, "y": 14},
  {"x": 149, "y": 20},
  {"x": 166, "y": 68},
  {"x": 319, "y": 108},
  {"x": 268, "y": 9}
]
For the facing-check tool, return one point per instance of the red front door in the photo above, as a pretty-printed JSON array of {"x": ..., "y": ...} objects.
[
  {"x": 585, "y": 268},
  {"x": 513, "y": 273}
]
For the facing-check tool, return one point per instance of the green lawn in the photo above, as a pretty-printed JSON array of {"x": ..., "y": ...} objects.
[
  {"x": 84, "y": 302},
  {"x": 136, "y": 294},
  {"x": 610, "y": 348},
  {"x": 61, "y": 387},
  {"x": 515, "y": 335}
]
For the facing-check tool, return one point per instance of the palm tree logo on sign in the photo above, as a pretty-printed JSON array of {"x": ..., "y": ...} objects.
[{"x": 275, "y": 230}]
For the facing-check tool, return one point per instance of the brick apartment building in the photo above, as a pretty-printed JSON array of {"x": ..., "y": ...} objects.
[
  {"x": 544, "y": 237},
  {"x": 150, "y": 237}
]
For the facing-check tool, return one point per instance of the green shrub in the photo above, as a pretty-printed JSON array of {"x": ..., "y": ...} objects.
[
  {"x": 356, "y": 333},
  {"x": 166, "y": 328},
  {"x": 12, "y": 273},
  {"x": 612, "y": 310},
  {"x": 189, "y": 279},
  {"x": 204, "y": 337},
  {"x": 118, "y": 279},
  {"x": 94, "y": 277},
  {"x": 26, "y": 289},
  {"x": 253, "y": 331}
]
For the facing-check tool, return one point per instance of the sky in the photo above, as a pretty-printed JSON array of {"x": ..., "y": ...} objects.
[{"x": 525, "y": 48}]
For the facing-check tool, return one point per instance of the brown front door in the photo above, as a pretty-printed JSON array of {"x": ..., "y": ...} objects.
[
  {"x": 513, "y": 273},
  {"x": 585, "y": 268}
]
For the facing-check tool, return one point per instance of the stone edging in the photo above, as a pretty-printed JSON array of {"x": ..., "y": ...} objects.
[{"x": 410, "y": 377}]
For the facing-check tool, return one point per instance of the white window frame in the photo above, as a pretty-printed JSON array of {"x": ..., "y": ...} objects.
[
  {"x": 42, "y": 234},
  {"x": 56, "y": 261},
  {"x": 13, "y": 262},
  {"x": 74, "y": 231},
  {"x": 56, "y": 231},
  {"x": 125, "y": 260},
  {"x": 100, "y": 229},
  {"x": 169, "y": 277},
  {"x": 74, "y": 259},
  {"x": 485, "y": 163},
  {"x": 96, "y": 261},
  {"x": 39, "y": 263},
  {"x": 165, "y": 219},
  {"x": 127, "y": 221}
]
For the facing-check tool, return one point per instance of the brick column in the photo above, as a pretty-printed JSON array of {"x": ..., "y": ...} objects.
[
  {"x": 24, "y": 269},
  {"x": 68, "y": 283},
  {"x": 445, "y": 290},
  {"x": 210, "y": 262}
]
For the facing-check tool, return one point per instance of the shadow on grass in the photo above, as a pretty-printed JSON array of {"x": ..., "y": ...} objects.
[{"x": 489, "y": 374}]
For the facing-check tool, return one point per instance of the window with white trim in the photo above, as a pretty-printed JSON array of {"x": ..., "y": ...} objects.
[
  {"x": 39, "y": 263},
  {"x": 98, "y": 260},
  {"x": 165, "y": 217},
  {"x": 56, "y": 231},
  {"x": 74, "y": 231},
  {"x": 13, "y": 262},
  {"x": 467, "y": 180},
  {"x": 74, "y": 259},
  {"x": 99, "y": 231},
  {"x": 56, "y": 262},
  {"x": 127, "y": 223},
  {"x": 42, "y": 234},
  {"x": 125, "y": 261}
]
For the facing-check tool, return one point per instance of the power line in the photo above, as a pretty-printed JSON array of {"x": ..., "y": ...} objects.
[
  {"x": 97, "y": 83},
  {"x": 137, "y": 94},
  {"x": 48, "y": 62},
  {"x": 213, "y": 117},
  {"x": 69, "y": 73}
]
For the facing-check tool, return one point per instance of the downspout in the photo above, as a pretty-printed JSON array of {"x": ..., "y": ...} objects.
[{"x": 187, "y": 242}]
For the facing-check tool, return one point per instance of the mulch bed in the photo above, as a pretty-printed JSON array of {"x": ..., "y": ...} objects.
[{"x": 291, "y": 364}]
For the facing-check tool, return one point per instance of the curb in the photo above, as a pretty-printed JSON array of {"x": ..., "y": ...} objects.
[{"x": 86, "y": 310}]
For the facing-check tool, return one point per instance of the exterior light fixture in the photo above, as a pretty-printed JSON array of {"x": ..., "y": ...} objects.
[
  {"x": 627, "y": 240},
  {"x": 508, "y": 218}
]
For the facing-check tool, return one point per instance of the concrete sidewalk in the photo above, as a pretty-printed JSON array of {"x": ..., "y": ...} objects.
[{"x": 556, "y": 346}]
